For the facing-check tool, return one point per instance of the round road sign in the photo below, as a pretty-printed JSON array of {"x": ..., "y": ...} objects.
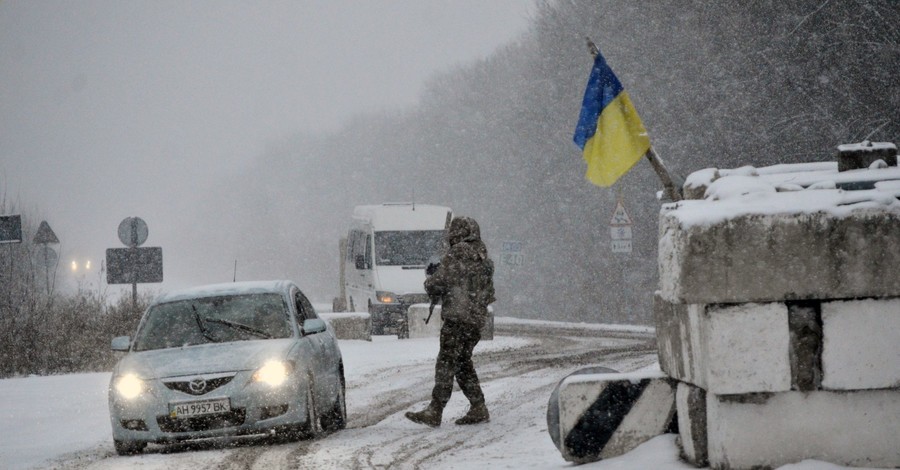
[
  {"x": 46, "y": 256},
  {"x": 133, "y": 231}
]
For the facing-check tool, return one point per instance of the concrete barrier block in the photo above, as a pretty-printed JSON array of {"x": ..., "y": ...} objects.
[
  {"x": 605, "y": 415},
  {"x": 417, "y": 313},
  {"x": 770, "y": 430},
  {"x": 771, "y": 249},
  {"x": 861, "y": 344},
  {"x": 690, "y": 405},
  {"x": 725, "y": 349},
  {"x": 350, "y": 325}
]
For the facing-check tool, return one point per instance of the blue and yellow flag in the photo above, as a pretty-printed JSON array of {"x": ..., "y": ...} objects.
[{"x": 609, "y": 130}]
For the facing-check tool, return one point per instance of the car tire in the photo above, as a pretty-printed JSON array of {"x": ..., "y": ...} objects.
[
  {"x": 403, "y": 331},
  {"x": 312, "y": 428},
  {"x": 336, "y": 418},
  {"x": 129, "y": 447}
]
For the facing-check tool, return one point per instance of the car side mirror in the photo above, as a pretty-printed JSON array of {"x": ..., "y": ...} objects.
[
  {"x": 313, "y": 326},
  {"x": 121, "y": 343},
  {"x": 360, "y": 262}
]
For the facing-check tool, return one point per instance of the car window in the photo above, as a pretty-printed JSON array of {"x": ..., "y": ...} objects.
[
  {"x": 305, "y": 310},
  {"x": 214, "y": 320}
]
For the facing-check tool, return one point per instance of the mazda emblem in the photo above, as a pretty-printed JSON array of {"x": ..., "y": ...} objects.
[{"x": 197, "y": 386}]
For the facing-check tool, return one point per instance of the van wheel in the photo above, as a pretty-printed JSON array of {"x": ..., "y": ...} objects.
[{"x": 377, "y": 324}]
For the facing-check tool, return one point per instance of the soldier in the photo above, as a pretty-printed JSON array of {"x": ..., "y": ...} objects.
[{"x": 464, "y": 282}]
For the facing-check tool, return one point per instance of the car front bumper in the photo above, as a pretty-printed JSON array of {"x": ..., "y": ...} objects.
[{"x": 255, "y": 408}]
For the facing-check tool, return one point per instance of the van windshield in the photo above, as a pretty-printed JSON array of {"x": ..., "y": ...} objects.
[{"x": 407, "y": 248}]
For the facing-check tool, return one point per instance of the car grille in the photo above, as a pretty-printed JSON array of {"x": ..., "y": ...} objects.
[
  {"x": 200, "y": 386},
  {"x": 202, "y": 423}
]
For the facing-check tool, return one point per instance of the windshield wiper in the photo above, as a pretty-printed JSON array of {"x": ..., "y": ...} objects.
[
  {"x": 240, "y": 326},
  {"x": 203, "y": 329}
]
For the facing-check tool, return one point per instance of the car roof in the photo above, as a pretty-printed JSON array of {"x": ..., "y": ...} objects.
[{"x": 281, "y": 287}]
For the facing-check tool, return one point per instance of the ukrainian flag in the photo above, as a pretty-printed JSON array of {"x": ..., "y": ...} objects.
[{"x": 609, "y": 131}]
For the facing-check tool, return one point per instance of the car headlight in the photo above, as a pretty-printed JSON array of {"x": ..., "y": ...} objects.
[
  {"x": 273, "y": 373},
  {"x": 385, "y": 297},
  {"x": 129, "y": 386}
]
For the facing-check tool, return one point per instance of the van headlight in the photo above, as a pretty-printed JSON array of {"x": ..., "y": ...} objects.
[
  {"x": 385, "y": 297},
  {"x": 273, "y": 373},
  {"x": 129, "y": 386}
]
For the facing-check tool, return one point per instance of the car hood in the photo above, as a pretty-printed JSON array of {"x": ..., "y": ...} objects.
[
  {"x": 204, "y": 359},
  {"x": 400, "y": 280}
]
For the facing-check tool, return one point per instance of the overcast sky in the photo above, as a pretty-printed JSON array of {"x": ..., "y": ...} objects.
[{"x": 111, "y": 109}]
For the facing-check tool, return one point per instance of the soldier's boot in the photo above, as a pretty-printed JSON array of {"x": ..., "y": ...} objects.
[
  {"x": 430, "y": 416},
  {"x": 477, "y": 414}
]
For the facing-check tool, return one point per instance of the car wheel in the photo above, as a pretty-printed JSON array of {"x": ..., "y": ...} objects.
[
  {"x": 403, "y": 331},
  {"x": 336, "y": 418},
  {"x": 312, "y": 428},
  {"x": 129, "y": 447}
]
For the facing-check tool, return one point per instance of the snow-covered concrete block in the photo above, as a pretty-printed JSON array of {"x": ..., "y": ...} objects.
[
  {"x": 752, "y": 431},
  {"x": 775, "y": 246},
  {"x": 861, "y": 344},
  {"x": 350, "y": 325},
  {"x": 605, "y": 415},
  {"x": 690, "y": 405},
  {"x": 417, "y": 313},
  {"x": 725, "y": 349},
  {"x": 864, "y": 154},
  {"x": 415, "y": 318}
]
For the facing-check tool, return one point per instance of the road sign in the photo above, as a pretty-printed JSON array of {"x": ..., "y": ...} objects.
[
  {"x": 511, "y": 253},
  {"x": 133, "y": 231},
  {"x": 620, "y": 234},
  {"x": 46, "y": 256},
  {"x": 620, "y": 216},
  {"x": 133, "y": 265},
  {"x": 621, "y": 246},
  {"x": 11, "y": 229},
  {"x": 45, "y": 234}
]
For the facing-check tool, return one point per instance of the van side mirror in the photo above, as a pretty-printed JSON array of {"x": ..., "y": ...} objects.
[
  {"x": 360, "y": 262},
  {"x": 121, "y": 343}
]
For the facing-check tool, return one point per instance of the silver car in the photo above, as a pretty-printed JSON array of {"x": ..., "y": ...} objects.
[{"x": 227, "y": 359}]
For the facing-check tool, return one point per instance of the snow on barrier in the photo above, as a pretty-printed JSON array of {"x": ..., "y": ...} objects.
[
  {"x": 417, "y": 313},
  {"x": 779, "y": 315},
  {"x": 596, "y": 416},
  {"x": 809, "y": 244},
  {"x": 350, "y": 325}
]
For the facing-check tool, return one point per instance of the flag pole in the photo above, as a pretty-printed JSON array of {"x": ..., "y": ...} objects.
[{"x": 656, "y": 162}]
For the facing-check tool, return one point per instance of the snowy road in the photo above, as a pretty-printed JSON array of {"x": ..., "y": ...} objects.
[{"x": 387, "y": 377}]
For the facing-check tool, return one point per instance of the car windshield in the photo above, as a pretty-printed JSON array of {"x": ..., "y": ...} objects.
[
  {"x": 213, "y": 320},
  {"x": 407, "y": 248}
]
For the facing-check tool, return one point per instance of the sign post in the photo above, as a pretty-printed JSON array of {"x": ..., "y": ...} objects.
[
  {"x": 133, "y": 265},
  {"x": 45, "y": 236}
]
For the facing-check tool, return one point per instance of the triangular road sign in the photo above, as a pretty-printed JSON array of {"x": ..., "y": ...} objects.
[
  {"x": 620, "y": 216},
  {"x": 45, "y": 234}
]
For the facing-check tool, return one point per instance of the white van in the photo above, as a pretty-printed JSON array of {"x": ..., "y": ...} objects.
[{"x": 388, "y": 248}]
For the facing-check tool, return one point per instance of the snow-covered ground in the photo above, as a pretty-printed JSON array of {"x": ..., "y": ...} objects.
[{"x": 63, "y": 421}]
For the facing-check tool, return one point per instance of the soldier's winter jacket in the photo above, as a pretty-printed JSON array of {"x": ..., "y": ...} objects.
[{"x": 464, "y": 277}]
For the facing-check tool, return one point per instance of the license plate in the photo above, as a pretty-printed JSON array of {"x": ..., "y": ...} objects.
[{"x": 199, "y": 408}]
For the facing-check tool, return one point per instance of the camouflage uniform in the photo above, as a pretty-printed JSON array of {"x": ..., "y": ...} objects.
[{"x": 464, "y": 312}]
